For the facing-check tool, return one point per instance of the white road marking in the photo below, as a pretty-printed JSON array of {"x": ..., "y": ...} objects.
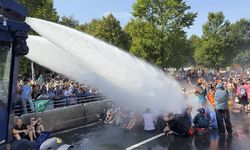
[{"x": 145, "y": 141}]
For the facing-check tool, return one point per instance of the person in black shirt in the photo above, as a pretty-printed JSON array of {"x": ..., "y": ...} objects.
[
  {"x": 180, "y": 124},
  {"x": 22, "y": 131}
]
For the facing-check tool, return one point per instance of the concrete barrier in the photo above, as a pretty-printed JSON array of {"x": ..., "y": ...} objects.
[{"x": 68, "y": 117}]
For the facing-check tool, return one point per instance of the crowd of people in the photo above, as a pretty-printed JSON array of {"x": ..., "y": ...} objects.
[
  {"x": 59, "y": 90},
  {"x": 217, "y": 94},
  {"x": 153, "y": 121}
]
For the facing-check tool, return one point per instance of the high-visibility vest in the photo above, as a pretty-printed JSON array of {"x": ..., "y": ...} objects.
[{"x": 210, "y": 97}]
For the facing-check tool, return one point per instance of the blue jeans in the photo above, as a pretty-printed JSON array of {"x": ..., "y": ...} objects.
[{"x": 24, "y": 105}]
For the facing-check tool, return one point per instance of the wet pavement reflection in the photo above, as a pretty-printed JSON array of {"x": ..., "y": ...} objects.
[{"x": 113, "y": 138}]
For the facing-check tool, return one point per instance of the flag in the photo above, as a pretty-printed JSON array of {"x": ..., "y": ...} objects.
[
  {"x": 40, "y": 105},
  {"x": 40, "y": 80}
]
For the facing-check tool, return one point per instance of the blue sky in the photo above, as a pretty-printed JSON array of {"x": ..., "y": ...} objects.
[{"x": 86, "y": 10}]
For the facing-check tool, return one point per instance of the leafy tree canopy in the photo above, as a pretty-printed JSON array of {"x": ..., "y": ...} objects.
[
  {"x": 157, "y": 31},
  {"x": 43, "y": 9},
  {"x": 108, "y": 29},
  {"x": 243, "y": 59},
  {"x": 69, "y": 21}
]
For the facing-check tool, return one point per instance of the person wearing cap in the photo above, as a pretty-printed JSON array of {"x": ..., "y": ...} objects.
[
  {"x": 26, "y": 91},
  {"x": 221, "y": 108}
]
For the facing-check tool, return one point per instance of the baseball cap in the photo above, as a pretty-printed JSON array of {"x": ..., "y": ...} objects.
[{"x": 55, "y": 144}]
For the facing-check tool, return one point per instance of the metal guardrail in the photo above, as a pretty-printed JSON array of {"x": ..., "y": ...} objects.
[{"x": 61, "y": 103}]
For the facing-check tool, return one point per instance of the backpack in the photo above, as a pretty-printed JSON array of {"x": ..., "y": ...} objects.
[
  {"x": 201, "y": 121},
  {"x": 243, "y": 92}
]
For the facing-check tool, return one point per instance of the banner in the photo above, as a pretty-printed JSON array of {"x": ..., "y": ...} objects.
[{"x": 40, "y": 105}]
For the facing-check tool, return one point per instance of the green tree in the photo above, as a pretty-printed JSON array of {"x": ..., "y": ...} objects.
[
  {"x": 43, "y": 9},
  {"x": 240, "y": 35},
  {"x": 145, "y": 40},
  {"x": 211, "y": 53},
  {"x": 69, "y": 21},
  {"x": 194, "y": 42},
  {"x": 243, "y": 59},
  {"x": 222, "y": 41},
  {"x": 108, "y": 29},
  {"x": 24, "y": 67},
  {"x": 216, "y": 48},
  {"x": 157, "y": 31}
]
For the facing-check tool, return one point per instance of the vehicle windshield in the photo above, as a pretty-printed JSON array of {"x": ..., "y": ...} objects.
[{"x": 5, "y": 61}]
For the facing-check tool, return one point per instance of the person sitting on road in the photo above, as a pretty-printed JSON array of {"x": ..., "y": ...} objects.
[
  {"x": 102, "y": 115},
  {"x": 33, "y": 127},
  {"x": 149, "y": 121},
  {"x": 134, "y": 119},
  {"x": 180, "y": 124},
  {"x": 110, "y": 115},
  {"x": 118, "y": 118},
  {"x": 21, "y": 130},
  {"x": 37, "y": 128},
  {"x": 124, "y": 119},
  {"x": 201, "y": 121},
  {"x": 160, "y": 123}
]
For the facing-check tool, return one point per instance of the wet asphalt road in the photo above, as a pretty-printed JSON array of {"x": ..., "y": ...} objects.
[{"x": 112, "y": 138}]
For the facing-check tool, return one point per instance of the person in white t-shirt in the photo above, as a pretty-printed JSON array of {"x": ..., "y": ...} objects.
[{"x": 148, "y": 117}]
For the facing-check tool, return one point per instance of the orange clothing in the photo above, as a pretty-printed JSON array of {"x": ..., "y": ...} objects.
[{"x": 210, "y": 97}]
